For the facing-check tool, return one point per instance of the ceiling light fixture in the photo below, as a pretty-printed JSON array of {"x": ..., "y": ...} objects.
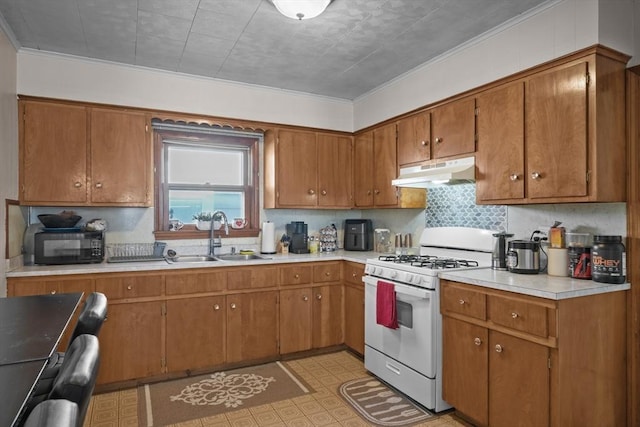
[{"x": 301, "y": 9}]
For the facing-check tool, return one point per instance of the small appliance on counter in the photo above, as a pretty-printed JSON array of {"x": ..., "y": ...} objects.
[
  {"x": 358, "y": 235},
  {"x": 68, "y": 247},
  {"x": 298, "y": 235},
  {"x": 499, "y": 256},
  {"x": 523, "y": 257},
  {"x": 382, "y": 241}
]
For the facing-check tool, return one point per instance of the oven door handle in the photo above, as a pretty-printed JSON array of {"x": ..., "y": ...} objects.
[{"x": 401, "y": 289}]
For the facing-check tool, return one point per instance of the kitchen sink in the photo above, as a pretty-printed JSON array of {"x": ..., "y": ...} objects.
[
  {"x": 192, "y": 258},
  {"x": 239, "y": 257}
]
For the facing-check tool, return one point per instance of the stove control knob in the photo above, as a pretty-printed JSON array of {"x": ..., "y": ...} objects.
[
  {"x": 393, "y": 274},
  {"x": 410, "y": 278}
]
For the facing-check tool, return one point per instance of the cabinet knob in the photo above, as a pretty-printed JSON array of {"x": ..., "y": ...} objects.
[
  {"x": 513, "y": 177},
  {"x": 514, "y": 315},
  {"x": 535, "y": 175},
  {"x": 424, "y": 143},
  {"x": 354, "y": 275},
  {"x": 216, "y": 307},
  {"x": 461, "y": 302},
  {"x": 319, "y": 296},
  {"x": 498, "y": 348},
  {"x": 77, "y": 184},
  {"x": 477, "y": 341},
  {"x": 439, "y": 140},
  {"x": 233, "y": 306},
  {"x": 98, "y": 185},
  {"x": 53, "y": 292},
  {"x": 323, "y": 192},
  {"x": 296, "y": 276},
  {"x": 311, "y": 191},
  {"x": 326, "y": 273},
  {"x": 129, "y": 288},
  {"x": 305, "y": 298},
  {"x": 376, "y": 191},
  {"x": 368, "y": 192}
]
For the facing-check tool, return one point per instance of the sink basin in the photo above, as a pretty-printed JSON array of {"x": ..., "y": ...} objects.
[
  {"x": 192, "y": 258},
  {"x": 239, "y": 257}
]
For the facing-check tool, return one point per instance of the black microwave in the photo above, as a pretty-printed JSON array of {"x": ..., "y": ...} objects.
[{"x": 82, "y": 247}]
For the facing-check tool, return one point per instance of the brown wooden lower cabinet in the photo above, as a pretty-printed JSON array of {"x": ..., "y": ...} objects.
[
  {"x": 131, "y": 342},
  {"x": 511, "y": 359},
  {"x": 196, "y": 333},
  {"x": 354, "y": 318},
  {"x": 252, "y": 326}
]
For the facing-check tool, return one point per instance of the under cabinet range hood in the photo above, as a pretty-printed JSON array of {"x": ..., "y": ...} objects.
[{"x": 447, "y": 172}]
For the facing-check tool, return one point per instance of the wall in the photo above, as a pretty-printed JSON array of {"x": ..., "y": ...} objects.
[
  {"x": 555, "y": 29},
  {"x": 59, "y": 76},
  {"x": 8, "y": 143}
]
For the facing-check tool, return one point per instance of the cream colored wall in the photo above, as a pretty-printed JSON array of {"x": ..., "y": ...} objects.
[
  {"x": 8, "y": 143},
  {"x": 554, "y": 30},
  {"x": 58, "y": 76}
]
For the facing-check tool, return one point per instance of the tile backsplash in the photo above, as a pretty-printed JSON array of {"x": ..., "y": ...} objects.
[{"x": 455, "y": 206}]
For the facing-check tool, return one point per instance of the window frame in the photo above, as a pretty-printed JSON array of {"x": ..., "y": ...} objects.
[{"x": 197, "y": 135}]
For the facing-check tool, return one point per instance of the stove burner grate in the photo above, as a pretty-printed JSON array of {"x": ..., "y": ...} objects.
[{"x": 429, "y": 261}]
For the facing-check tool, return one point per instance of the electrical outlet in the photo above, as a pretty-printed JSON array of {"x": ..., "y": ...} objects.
[{"x": 543, "y": 231}]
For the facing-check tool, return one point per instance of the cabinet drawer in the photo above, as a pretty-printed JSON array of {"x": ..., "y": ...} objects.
[
  {"x": 295, "y": 275},
  {"x": 252, "y": 278},
  {"x": 519, "y": 315},
  {"x": 326, "y": 272},
  {"x": 183, "y": 284},
  {"x": 463, "y": 300},
  {"x": 130, "y": 286},
  {"x": 353, "y": 273}
]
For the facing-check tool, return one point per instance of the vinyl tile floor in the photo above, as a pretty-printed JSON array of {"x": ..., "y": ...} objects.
[{"x": 324, "y": 373}]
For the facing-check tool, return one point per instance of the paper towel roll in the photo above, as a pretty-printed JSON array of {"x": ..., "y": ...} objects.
[
  {"x": 268, "y": 238},
  {"x": 558, "y": 262}
]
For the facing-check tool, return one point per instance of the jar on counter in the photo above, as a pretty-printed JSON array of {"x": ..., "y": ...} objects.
[{"x": 608, "y": 260}]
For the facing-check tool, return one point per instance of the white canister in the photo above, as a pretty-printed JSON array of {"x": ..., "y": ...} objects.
[{"x": 558, "y": 264}]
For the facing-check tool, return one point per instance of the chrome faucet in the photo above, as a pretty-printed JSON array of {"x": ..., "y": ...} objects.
[{"x": 213, "y": 241}]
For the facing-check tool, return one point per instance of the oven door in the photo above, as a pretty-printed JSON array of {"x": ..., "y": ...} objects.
[{"x": 414, "y": 342}]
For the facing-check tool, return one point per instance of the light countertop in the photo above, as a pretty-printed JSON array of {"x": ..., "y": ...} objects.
[
  {"x": 537, "y": 285},
  {"x": 117, "y": 267}
]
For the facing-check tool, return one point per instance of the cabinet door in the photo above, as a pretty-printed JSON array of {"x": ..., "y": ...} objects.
[
  {"x": 414, "y": 139},
  {"x": 453, "y": 128},
  {"x": 384, "y": 166},
  {"x": 556, "y": 133},
  {"x": 131, "y": 344},
  {"x": 327, "y": 316},
  {"x": 252, "y": 278},
  {"x": 121, "y": 159},
  {"x": 500, "y": 156},
  {"x": 194, "y": 283},
  {"x": 518, "y": 382},
  {"x": 465, "y": 368},
  {"x": 295, "y": 320},
  {"x": 196, "y": 330},
  {"x": 53, "y": 154},
  {"x": 354, "y": 317},
  {"x": 363, "y": 169},
  {"x": 252, "y": 326},
  {"x": 297, "y": 168},
  {"x": 334, "y": 171}
]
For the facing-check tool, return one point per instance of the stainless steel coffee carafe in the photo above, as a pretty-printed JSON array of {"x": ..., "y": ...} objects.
[{"x": 499, "y": 256}]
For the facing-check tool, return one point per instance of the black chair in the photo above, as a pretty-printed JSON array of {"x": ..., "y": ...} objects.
[
  {"x": 90, "y": 321},
  {"x": 54, "y": 413},
  {"x": 76, "y": 378}
]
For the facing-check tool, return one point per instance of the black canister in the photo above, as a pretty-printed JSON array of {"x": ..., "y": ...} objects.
[{"x": 608, "y": 259}]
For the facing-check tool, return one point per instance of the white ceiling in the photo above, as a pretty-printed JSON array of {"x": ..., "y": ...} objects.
[{"x": 354, "y": 47}]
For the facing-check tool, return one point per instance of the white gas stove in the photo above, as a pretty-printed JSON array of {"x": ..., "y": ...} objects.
[{"x": 410, "y": 358}]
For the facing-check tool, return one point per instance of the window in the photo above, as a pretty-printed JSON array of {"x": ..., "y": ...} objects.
[{"x": 205, "y": 169}]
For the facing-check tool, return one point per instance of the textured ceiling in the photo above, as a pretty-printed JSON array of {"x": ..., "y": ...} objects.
[{"x": 354, "y": 47}]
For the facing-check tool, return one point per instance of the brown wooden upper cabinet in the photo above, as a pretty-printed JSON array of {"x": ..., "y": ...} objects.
[
  {"x": 375, "y": 165},
  {"x": 453, "y": 128},
  {"x": 75, "y": 155},
  {"x": 414, "y": 139},
  {"x": 305, "y": 169},
  {"x": 500, "y": 164},
  {"x": 557, "y": 135}
]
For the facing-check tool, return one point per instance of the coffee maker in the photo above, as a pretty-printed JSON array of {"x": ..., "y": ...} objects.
[
  {"x": 499, "y": 256},
  {"x": 298, "y": 237}
]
